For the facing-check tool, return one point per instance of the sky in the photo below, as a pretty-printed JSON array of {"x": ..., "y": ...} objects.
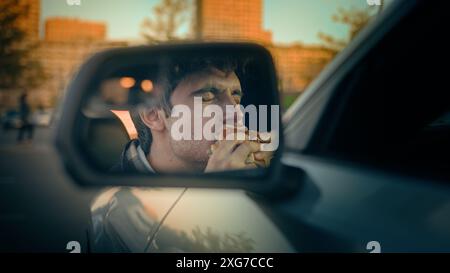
[{"x": 289, "y": 20}]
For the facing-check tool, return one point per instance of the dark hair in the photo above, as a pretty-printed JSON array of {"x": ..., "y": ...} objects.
[{"x": 168, "y": 80}]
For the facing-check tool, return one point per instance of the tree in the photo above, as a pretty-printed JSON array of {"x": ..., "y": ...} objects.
[
  {"x": 18, "y": 69},
  {"x": 355, "y": 19},
  {"x": 168, "y": 18}
]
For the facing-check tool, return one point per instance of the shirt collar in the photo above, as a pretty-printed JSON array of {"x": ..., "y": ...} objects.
[{"x": 144, "y": 159}]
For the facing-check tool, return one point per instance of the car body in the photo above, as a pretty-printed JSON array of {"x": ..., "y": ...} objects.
[
  {"x": 348, "y": 201},
  {"x": 42, "y": 117}
]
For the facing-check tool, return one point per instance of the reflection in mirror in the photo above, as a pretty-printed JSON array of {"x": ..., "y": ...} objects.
[{"x": 182, "y": 115}]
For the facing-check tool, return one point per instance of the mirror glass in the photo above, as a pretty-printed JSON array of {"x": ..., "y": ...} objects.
[{"x": 181, "y": 113}]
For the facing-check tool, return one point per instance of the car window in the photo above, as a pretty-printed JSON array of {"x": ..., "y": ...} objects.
[{"x": 380, "y": 116}]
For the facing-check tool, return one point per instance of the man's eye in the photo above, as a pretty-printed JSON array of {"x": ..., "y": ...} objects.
[
  {"x": 207, "y": 96},
  {"x": 237, "y": 95}
]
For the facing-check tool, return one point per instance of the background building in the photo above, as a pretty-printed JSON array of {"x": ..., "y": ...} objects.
[
  {"x": 72, "y": 29},
  {"x": 297, "y": 65},
  {"x": 238, "y": 20},
  {"x": 60, "y": 60},
  {"x": 231, "y": 20},
  {"x": 68, "y": 42}
]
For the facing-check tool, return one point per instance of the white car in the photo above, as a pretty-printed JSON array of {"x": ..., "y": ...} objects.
[{"x": 42, "y": 117}]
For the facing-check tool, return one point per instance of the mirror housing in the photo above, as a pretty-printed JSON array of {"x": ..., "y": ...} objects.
[{"x": 84, "y": 170}]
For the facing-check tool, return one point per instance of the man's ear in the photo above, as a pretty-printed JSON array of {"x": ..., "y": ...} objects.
[{"x": 153, "y": 118}]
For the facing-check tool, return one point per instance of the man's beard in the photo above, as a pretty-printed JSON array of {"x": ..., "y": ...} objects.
[{"x": 192, "y": 152}]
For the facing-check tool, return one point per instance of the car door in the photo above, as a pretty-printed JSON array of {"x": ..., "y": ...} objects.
[
  {"x": 206, "y": 220},
  {"x": 356, "y": 194},
  {"x": 126, "y": 219},
  {"x": 371, "y": 140}
]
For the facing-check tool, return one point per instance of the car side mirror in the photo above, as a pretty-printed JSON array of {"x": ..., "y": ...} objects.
[{"x": 178, "y": 115}]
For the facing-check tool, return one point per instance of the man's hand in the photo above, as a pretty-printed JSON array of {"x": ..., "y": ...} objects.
[
  {"x": 262, "y": 159},
  {"x": 232, "y": 155}
]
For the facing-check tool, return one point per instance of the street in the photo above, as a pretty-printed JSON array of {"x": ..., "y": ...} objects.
[{"x": 37, "y": 197}]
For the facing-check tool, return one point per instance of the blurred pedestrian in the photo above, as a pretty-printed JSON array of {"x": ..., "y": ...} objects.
[{"x": 26, "y": 126}]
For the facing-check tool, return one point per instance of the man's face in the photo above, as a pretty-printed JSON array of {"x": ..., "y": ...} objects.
[{"x": 215, "y": 87}]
